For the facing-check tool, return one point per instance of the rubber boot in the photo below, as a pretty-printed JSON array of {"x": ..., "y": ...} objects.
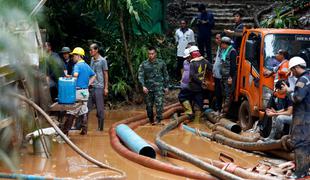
[
  {"x": 188, "y": 108},
  {"x": 84, "y": 124},
  {"x": 272, "y": 135},
  {"x": 68, "y": 124},
  {"x": 151, "y": 120},
  {"x": 78, "y": 122},
  {"x": 100, "y": 124}
]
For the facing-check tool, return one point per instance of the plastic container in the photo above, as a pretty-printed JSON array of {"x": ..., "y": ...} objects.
[{"x": 66, "y": 90}]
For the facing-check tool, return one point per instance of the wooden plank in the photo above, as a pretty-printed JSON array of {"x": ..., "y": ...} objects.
[{"x": 64, "y": 107}]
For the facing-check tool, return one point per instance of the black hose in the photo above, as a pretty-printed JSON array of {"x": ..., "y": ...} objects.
[
  {"x": 247, "y": 146},
  {"x": 188, "y": 157},
  {"x": 226, "y": 123},
  {"x": 230, "y": 134}
]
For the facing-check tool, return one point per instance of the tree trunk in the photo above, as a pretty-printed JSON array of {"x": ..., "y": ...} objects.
[{"x": 128, "y": 59}]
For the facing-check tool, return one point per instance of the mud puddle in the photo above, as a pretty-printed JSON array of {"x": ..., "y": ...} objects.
[{"x": 64, "y": 162}]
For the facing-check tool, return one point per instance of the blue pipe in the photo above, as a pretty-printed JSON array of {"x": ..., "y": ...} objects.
[
  {"x": 134, "y": 142},
  {"x": 24, "y": 176}
]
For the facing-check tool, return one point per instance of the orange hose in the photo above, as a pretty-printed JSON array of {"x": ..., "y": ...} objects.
[
  {"x": 146, "y": 161},
  {"x": 153, "y": 163}
]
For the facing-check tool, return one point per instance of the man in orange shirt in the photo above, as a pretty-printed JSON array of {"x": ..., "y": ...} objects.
[{"x": 281, "y": 71}]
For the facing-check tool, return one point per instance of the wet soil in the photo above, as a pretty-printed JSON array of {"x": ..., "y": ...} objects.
[{"x": 64, "y": 162}]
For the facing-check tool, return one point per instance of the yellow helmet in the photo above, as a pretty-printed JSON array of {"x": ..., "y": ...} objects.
[{"x": 78, "y": 51}]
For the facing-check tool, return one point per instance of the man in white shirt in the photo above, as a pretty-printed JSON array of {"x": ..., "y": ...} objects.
[{"x": 183, "y": 36}]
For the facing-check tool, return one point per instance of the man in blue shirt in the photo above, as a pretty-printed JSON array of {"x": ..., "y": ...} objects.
[
  {"x": 85, "y": 76},
  {"x": 300, "y": 134},
  {"x": 54, "y": 68}
]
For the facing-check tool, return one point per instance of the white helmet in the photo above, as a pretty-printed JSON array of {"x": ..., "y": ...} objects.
[
  {"x": 186, "y": 53},
  {"x": 193, "y": 48},
  {"x": 294, "y": 61}
]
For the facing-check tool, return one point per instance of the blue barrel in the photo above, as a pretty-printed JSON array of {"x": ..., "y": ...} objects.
[
  {"x": 66, "y": 90},
  {"x": 134, "y": 142}
]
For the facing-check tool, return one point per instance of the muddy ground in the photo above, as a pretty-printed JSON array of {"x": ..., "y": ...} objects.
[{"x": 64, "y": 162}]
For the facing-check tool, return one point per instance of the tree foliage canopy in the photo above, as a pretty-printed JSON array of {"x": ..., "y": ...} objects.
[{"x": 111, "y": 24}]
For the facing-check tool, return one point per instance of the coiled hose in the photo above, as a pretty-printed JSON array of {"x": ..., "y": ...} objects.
[
  {"x": 247, "y": 146},
  {"x": 234, "y": 169},
  {"x": 188, "y": 157},
  {"x": 230, "y": 134},
  {"x": 134, "y": 122}
]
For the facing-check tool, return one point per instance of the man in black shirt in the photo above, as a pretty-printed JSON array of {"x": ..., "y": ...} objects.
[
  {"x": 280, "y": 108},
  {"x": 205, "y": 23},
  {"x": 236, "y": 34},
  {"x": 69, "y": 64}
]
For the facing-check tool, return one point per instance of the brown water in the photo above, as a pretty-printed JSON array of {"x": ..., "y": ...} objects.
[{"x": 64, "y": 162}]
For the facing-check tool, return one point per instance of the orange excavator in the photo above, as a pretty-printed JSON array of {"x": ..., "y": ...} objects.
[{"x": 257, "y": 54}]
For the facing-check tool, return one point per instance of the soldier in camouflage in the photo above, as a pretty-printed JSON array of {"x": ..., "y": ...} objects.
[{"x": 153, "y": 77}]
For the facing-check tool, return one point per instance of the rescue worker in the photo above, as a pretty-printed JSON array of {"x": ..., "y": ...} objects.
[
  {"x": 228, "y": 71},
  {"x": 300, "y": 133},
  {"x": 100, "y": 87},
  {"x": 205, "y": 24},
  {"x": 280, "y": 71},
  {"x": 69, "y": 64},
  {"x": 85, "y": 77},
  {"x": 217, "y": 75},
  {"x": 154, "y": 78},
  {"x": 184, "y": 95},
  {"x": 54, "y": 68},
  {"x": 183, "y": 36},
  {"x": 198, "y": 67},
  {"x": 237, "y": 32},
  {"x": 280, "y": 108}
]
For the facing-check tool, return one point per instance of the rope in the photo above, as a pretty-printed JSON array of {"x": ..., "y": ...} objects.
[
  {"x": 213, "y": 134},
  {"x": 198, "y": 132},
  {"x": 214, "y": 128},
  {"x": 225, "y": 166},
  {"x": 284, "y": 142},
  {"x": 230, "y": 167}
]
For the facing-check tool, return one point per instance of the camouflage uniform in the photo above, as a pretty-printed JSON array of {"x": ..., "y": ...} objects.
[
  {"x": 154, "y": 76},
  {"x": 228, "y": 69},
  {"x": 300, "y": 133}
]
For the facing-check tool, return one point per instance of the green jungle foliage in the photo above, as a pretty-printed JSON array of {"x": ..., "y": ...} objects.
[
  {"x": 109, "y": 23},
  {"x": 14, "y": 116},
  {"x": 284, "y": 17}
]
